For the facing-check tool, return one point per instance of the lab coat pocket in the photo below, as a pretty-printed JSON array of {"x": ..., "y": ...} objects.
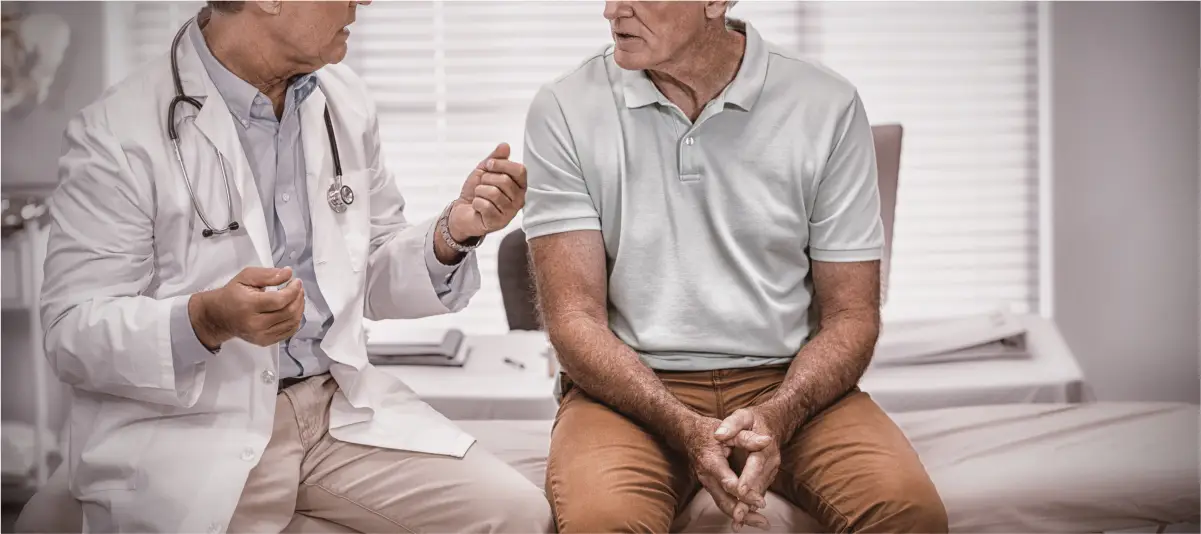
[{"x": 111, "y": 457}]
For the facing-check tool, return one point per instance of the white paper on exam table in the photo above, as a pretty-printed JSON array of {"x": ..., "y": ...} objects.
[{"x": 997, "y": 335}]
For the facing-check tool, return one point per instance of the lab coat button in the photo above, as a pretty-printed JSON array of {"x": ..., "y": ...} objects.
[
  {"x": 268, "y": 377},
  {"x": 248, "y": 454},
  {"x": 215, "y": 528},
  {"x": 287, "y": 197},
  {"x": 689, "y": 141}
]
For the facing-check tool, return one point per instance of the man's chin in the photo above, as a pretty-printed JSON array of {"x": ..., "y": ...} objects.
[
  {"x": 335, "y": 52},
  {"x": 630, "y": 60}
]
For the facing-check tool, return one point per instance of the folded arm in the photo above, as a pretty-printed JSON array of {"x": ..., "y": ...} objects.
[{"x": 102, "y": 332}]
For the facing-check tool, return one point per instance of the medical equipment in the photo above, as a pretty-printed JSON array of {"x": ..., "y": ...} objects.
[{"x": 340, "y": 196}]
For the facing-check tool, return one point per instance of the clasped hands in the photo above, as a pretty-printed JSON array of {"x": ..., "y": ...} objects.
[{"x": 709, "y": 445}]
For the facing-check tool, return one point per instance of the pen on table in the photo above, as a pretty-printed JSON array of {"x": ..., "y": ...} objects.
[{"x": 513, "y": 362}]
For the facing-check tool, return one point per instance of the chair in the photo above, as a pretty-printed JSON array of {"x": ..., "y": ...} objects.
[
  {"x": 516, "y": 282},
  {"x": 517, "y": 285}
]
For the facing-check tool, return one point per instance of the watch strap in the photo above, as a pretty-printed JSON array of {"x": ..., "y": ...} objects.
[{"x": 444, "y": 230}]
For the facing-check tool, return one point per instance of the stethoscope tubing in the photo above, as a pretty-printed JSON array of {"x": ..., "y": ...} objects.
[{"x": 339, "y": 196}]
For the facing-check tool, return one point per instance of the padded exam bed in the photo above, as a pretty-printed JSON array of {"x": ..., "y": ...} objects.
[{"x": 1094, "y": 467}]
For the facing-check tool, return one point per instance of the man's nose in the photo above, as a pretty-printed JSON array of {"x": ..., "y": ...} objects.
[{"x": 614, "y": 10}]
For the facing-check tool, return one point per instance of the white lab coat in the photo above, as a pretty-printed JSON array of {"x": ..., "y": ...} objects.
[{"x": 152, "y": 448}]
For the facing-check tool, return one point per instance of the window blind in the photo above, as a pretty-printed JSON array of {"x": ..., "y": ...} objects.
[
  {"x": 962, "y": 78},
  {"x": 451, "y": 79}
]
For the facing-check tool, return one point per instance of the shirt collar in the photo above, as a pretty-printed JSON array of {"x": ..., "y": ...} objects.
[
  {"x": 743, "y": 91},
  {"x": 237, "y": 93}
]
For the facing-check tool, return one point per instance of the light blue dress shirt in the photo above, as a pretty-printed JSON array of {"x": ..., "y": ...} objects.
[{"x": 276, "y": 156}]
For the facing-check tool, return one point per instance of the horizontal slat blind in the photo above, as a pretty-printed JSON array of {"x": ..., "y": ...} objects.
[
  {"x": 962, "y": 77},
  {"x": 453, "y": 78}
]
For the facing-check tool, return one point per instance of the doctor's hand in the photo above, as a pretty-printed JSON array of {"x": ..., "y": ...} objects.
[
  {"x": 246, "y": 310},
  {"x": 709, "y": 460},
  {"x": 492, "y": 195}
]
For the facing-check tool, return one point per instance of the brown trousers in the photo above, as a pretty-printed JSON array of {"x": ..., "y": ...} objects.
[{"x": 850, "y": 467}]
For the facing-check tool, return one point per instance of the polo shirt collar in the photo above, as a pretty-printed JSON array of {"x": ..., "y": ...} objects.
[
  {"x": 747, "y": 85},
  {"x": 743, "y": 91}
]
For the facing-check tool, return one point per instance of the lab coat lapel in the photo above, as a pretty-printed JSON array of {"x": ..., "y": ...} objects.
[
  {"x": 215, "y": 123},
  {"x": 329, "y": 248}
]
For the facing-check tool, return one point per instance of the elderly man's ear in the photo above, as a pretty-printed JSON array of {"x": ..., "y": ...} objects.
[
  {"x": 718, "y": 8},
  {"x": 270, "y": 7}
]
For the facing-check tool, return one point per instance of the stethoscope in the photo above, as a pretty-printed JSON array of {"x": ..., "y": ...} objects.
[{"x": 339, "y": 196}]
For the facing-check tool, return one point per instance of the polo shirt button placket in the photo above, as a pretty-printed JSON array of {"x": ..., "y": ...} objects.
[{"x": 689, "y": 171}]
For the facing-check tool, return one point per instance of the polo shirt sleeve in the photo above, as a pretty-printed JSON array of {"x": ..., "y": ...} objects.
[
  {"x": 557, "y": 198},
  {"x": 845, "y": 223}
]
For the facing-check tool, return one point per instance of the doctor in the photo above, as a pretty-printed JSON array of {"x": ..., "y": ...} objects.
[{"x": 207, "y": 305}]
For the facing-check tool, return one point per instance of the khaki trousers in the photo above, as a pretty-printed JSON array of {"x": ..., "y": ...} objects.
[
  {"x": 307, "y": 481},
  {"x": 850, "y": 467}
]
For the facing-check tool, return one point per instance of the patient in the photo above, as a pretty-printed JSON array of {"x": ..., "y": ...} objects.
[{"x": 693, "y": 192}]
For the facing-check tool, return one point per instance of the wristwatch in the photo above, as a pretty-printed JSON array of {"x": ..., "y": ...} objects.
[{"x": 444, "y": 231}]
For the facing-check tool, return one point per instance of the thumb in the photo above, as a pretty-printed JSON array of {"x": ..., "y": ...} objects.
[
  {"x": 264, "y": 276},
  {"x": 738, "y": 421},
  {"x": 500, "y": 152}
]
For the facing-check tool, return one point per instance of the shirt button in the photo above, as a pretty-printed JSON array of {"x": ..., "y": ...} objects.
[
  {"x": 689, "y": 141},
  {"x": 248, "y": 454},
  {"x": 245, "y": 123},
  {"x": 287, "y": 197},
  {"x": 292, "y": 254},
  {"x": 215, "y": 528},
  {"x": 268, "y": 377}
]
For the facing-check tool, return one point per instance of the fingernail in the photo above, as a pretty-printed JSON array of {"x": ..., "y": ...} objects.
[{"x": 721, "y": 430}]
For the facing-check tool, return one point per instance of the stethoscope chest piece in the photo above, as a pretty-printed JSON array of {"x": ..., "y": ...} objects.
[{"x": 340, "y": 196}]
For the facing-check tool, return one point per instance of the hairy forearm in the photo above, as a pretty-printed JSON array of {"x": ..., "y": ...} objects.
[
  {"x": 826, "y": 368},
  {"x": 610, "y": 371}
]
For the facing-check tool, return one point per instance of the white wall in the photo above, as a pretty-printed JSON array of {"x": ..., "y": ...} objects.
[
  {"x": 1125, "y": 194},
  {"x": 31, "y": 145}
]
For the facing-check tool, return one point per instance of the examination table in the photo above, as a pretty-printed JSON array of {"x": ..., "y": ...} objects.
[{"x": 1093, "y": 467}]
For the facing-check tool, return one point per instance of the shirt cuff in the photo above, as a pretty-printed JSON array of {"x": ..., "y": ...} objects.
[
  {"x": 441, "y": 275},
  {"x": 186, "y": 348}
]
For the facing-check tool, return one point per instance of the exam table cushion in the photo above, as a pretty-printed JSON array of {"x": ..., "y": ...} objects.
[
  {"x": 1008, "y": 468},
  {"x": 1005, "y": 468}
]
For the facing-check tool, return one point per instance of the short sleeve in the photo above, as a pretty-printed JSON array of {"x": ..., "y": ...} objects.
[
  {"x": 557, "y": 198},
  {"x": 845, "y": 224}
]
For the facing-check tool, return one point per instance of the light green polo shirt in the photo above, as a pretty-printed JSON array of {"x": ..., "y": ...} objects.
[{"x": 709, "y": 227}]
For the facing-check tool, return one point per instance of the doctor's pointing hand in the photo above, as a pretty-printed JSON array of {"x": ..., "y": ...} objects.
[{"x": 224, "y": 225}]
